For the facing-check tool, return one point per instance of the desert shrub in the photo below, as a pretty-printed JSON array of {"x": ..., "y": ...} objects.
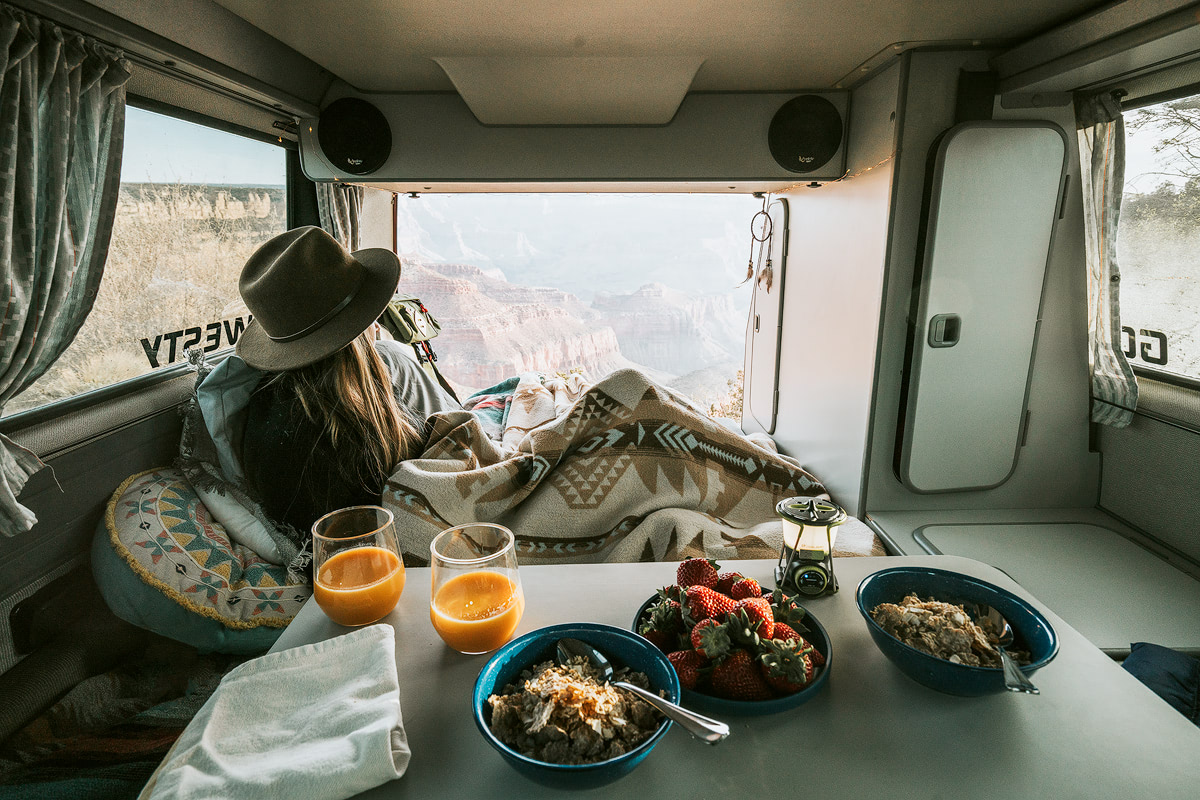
[
  {"x": 173, "y": 263},
  {"x": 729, "y": 406}
]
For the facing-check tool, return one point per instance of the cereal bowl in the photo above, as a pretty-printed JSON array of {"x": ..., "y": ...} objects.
[
  {"x": 1031, "y": 630},
  {"x": 623, "y": 649}
]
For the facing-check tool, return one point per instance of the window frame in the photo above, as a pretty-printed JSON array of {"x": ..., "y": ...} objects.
[{"x": 296, "y": 185}]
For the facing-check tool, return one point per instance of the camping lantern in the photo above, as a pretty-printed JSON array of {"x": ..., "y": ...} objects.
[{"x": 806, "y": 558}]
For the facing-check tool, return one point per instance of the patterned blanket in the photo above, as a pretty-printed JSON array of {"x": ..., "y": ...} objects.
[{"x": 625, "y": 470}]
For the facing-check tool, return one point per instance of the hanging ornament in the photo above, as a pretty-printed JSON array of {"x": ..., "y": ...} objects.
[
  {"x": 767, "y": 276},
  {"x": 766, "y": 228}
]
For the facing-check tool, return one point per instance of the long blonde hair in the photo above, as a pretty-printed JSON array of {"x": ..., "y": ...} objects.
[{"x": 349, "y": 394}]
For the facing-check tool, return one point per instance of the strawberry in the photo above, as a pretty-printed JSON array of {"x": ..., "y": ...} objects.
[
  {"x": 787, "y": 609},
  {"x": 726, "y": 580},
  {"x": 705, "y": 603},
  {"x": 666, "y": 615},
  {"x": 746, "y": 587},
  {"x": 759, "y": 614},
  {"x": 785, "y": 632},
  {"x": 817, "y": 659},
  {"x": 687, "y": 664},
  {"x": 787, "y": 666},
  {"x": 696, "y": 572},
  {"x": 710, "y": 638},
  {"x": 739, "y": 678},
  {"x": 661, "y": 639}
]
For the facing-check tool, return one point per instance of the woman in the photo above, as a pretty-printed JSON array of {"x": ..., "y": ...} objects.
[{"x": 337, "y": 409}]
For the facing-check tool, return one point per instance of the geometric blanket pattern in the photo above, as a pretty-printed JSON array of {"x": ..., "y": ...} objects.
[
  {"x": 158, "y": 524},
  {"x": 630, "y": 471}
]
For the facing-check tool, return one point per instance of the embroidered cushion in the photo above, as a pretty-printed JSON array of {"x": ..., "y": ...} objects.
[{"x": 164, "y": 564}]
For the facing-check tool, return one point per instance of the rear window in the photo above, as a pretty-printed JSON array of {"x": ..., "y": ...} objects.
[{"x": 596, "y": 282}]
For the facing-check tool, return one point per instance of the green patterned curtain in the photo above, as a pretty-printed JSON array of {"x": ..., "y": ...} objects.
[
  {"x": 340, "y": 206},
  {"x": 1102, "y": 168},
  {"x": 62, "y": 122}
]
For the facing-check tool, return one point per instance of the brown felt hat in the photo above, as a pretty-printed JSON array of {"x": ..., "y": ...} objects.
[{"x": 310, "y": 297}]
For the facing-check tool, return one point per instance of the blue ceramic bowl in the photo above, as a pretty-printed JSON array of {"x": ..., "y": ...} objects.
[
  {"x": 624, "y": 649},
  {"x": 1031, "y": 630},
  {"x": 721, "y": 707}
]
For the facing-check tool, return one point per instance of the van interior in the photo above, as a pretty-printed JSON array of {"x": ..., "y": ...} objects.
[{"x": 930, "y": 343}]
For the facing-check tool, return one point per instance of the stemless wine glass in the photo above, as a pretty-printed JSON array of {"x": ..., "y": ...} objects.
[
  {"x": 358, "y": 573},
  {"x": 475, "y": 600}
]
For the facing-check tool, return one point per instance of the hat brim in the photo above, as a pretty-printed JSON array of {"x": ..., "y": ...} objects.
[{"x": 381, "y": 273}]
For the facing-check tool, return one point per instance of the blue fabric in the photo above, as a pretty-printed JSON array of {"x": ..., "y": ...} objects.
[
  {"x": 1173, "y": 676},
  {"x": 140, "y": 604},
  {"x": 223, "y": 397}
]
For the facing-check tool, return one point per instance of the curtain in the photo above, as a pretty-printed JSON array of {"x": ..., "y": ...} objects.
[
  {"x": 340, "y": 206},
  {"x": 62, "y": 122},
  {"x": 1102, "y": 168}
]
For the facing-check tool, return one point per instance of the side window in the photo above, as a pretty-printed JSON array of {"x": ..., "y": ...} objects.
[
  {"x": 194, "y": 203},
  {"x": 1159, "y": 239}
]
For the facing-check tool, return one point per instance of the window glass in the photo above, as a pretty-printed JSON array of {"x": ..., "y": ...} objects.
[
  {"x": 194, "y": 203},
  {"x": 1159, "y": 238},
  {"x": 597, "y": 282}
]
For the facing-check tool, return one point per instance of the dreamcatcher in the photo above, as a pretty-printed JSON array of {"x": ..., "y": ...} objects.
[{"x": 762, "y": 229}]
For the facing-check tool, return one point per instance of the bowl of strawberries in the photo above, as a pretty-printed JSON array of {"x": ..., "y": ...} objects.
[{"x": 739, "y": 649}]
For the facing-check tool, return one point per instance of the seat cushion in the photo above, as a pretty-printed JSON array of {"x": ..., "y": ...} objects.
[
  {"x": 1173, "y": 676},
  {"x": 164, "y": 564}
]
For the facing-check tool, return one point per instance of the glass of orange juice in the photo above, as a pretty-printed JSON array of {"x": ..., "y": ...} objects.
[
  {"x": 358, "y": 574},
  {"x": 476, "y": 600}
]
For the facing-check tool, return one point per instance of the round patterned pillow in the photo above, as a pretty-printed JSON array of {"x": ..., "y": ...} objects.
[{"x": 162, "y": 563}]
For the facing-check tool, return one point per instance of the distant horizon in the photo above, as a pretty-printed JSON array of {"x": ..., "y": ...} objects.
[{"x": 280, "y": 186}]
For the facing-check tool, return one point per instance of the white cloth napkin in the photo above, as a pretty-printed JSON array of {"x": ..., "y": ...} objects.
[{"x": 317, "y": 722}]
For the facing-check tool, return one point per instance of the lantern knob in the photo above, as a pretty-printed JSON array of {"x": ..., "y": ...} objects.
[{"x": 811, "y": 511}]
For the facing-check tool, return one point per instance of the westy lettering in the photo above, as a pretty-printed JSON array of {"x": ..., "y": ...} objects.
[{"x": 212, "y": 336}]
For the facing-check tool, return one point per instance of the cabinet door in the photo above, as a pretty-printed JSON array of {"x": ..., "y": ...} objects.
[
  {"x": 993, "y": 201},
  {"x": 764, "y": 327}
]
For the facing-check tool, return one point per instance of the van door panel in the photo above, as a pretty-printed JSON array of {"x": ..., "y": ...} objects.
[{"x": 994, "y": 197}]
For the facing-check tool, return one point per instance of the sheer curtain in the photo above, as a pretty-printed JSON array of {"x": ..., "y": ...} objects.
[
  {"x": 340, "y": 206},
  {"x": 62, "y": 122},
  {"x": 1102, "y": 168}
]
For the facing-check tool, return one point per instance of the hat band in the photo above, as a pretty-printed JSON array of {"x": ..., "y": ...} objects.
[{"x": 328, "y": 315}]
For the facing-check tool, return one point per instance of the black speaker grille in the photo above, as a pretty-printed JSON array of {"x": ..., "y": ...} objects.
[
  {"x": 805, "y": 133},
  {"x": 354, "y": 136}
]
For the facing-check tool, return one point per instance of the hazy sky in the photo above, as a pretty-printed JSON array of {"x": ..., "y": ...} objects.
[
  {"x": 162, "y": 149},
  {"x": 1141, "y": 162}
]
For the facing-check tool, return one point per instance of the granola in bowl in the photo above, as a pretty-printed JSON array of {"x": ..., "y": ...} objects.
[
  {"x": 942, "y": 630},
  {"x": 567, "y": 715}
]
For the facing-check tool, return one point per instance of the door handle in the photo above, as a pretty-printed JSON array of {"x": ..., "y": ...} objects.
[{"x": 944, "y": 330}]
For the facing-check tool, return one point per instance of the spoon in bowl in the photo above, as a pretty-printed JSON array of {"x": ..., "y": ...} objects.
[
  {"x": 706, "y": 729},
  {"x": 1014, "y": 679}
]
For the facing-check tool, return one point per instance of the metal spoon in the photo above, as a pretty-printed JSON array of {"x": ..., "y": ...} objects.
[
  {"x": 708, "y": 730},
  {"x": 1014, "y": 679}
]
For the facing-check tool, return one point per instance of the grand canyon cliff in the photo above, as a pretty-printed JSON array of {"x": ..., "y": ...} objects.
[{"x": 493, "y": 329}]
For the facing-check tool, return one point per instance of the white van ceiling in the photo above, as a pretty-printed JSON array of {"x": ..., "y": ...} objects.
[{"x": 608, "y": 61}]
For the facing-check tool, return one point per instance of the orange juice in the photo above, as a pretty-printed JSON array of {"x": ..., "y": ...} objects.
[
  {"x": 476, "y": 612},
  {"x": 360, "y": 585}
]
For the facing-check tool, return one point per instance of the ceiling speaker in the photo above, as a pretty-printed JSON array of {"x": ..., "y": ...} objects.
[
  {"x": 805, "y": 133},
  {"x": 354, "y": 135}
]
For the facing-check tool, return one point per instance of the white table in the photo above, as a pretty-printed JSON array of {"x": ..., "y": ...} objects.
[{"x": 1093, "y": 732}]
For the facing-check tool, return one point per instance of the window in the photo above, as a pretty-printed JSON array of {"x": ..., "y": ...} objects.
[
  {"x": 554, "y": 282},
  {"x": 1159, "y": 239},
  {"x": 194, "y": 204}
]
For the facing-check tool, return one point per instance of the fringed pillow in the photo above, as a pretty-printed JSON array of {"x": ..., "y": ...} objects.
[{"x": 164, "y": 564}]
